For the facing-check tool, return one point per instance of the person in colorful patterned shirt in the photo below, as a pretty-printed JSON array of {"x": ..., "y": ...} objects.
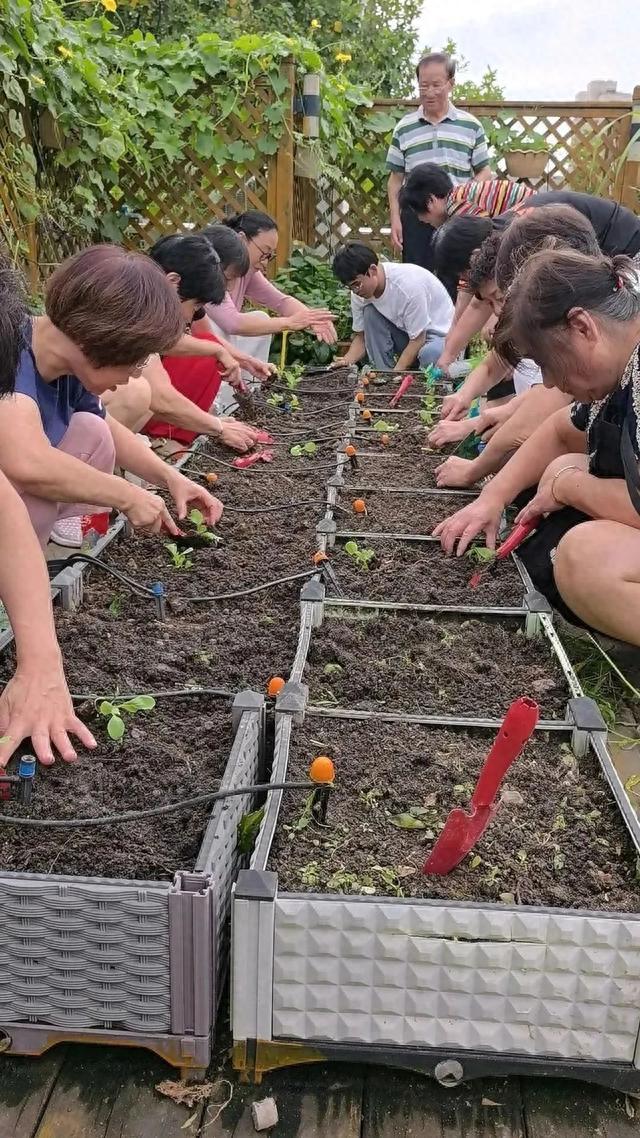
[
  {"x": 436, "y": 132},
  {"x": 432, "y": 194}
]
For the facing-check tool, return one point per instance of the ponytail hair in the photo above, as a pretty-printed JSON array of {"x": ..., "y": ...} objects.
[
  {"x": 251, "y": 222},
  {"x": 548, "y": 287},
  {"x": 13, "y": 316}
]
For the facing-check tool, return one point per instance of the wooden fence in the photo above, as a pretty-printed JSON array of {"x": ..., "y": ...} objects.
[
  {"x": 593, "y": 147},
  {"x": 589, "y": 149}
]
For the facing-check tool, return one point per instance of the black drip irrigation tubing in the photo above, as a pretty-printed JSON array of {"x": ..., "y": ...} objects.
[
  {"x": 122, "y": 698},
  {"x": 56, "y": 567},
  {"x": 280, "y": 506},
  {"x": 245, "y": 592},
  {"x": 154, "y": 811}
]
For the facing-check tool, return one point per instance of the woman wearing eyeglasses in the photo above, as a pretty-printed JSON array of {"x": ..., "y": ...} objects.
[{"x": 259, "y": 233}]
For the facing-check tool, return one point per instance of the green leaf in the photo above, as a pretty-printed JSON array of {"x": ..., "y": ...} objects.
[
  {"x": 115, "y": 728},
  {"x": 197, "y": 517},
  {"x": 248, "y": 828},
  {"x": 296, "y": 451},
  {"x": 112, "y": 147},
  {"x": 106, "y": 708},
  {"x": 332, "y": 669},
  {"x": 408, "y": 821},
  {"x": 351, "y": 547},
  {"x": 139, "y": 703},
  {"x": 310, "y": 448}
]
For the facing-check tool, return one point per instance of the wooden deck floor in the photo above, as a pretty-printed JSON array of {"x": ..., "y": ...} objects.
[{"x": 82, "y": 1092}]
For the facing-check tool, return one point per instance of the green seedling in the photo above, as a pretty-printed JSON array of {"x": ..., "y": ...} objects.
[
  {"x": 302, "y": 449},
  {"x": 112, "y": 710},
  {"x": 415, "y": 818},
  {"x": 362, "y": 557},
  {"x": 292, "y": 375},
  {"x": 115, "y": 605},
  {"x": 333, "y": 669},
  {"x": 480, "y": 555},
  {"x": 248, "y": 828},
  {"x": 179, "y": 557},
  {"x": 196, "y": 517},
  {"x": 275, "y": 400},
  {"x": 309, "y": 874},
  {"x": 384, "y": 427}
]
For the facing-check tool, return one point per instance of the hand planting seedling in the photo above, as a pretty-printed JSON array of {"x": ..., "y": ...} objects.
[
  {"x": 480, "y": 555},
  {"x": 112, "y": 711},
  {"x": 196, "y": 517},
  {"x": 179, "y": 557},
  {"x": 302, "y": 449},
  {"x": 362, "y": 557}
]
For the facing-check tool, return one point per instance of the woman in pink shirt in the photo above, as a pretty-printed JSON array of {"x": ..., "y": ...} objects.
[{"x": 259, "y": 234}]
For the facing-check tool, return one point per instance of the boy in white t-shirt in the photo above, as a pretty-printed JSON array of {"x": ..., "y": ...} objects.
[{"x": 401, "y": 313}]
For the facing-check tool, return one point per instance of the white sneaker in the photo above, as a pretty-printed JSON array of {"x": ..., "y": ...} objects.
[{"x": 68, "y": 532}]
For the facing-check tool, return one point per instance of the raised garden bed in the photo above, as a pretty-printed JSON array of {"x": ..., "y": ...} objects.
[
  {"x": 417, "y": 573},
  {"x": 384, "y": 470},
  {"x": 415, "y": 662},
  {"x": 388, "y": 512}
]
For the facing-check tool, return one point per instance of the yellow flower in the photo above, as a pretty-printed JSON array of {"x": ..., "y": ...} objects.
[
  {"x": 337, "y": 25},
  {"x": 341, "y": 56},
  {"x": 64, "y": 51},
  {"x": 109, "y": 5},
  {"x": 315, "y": 24}
]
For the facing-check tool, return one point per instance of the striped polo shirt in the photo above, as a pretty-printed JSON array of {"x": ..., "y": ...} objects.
[
  {"x": 457, "y": 143},
  {"x": 488, "y": 199}
]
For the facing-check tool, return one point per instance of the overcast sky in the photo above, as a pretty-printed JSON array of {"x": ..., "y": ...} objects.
[{"x": 547, "y": 49}]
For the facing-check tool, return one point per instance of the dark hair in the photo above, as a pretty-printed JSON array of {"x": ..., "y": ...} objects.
[
  {"x": 13, "y": 315},
  {"x": 115, "y": 305},
  {"x": 231, "y": 250},
  {"x": 438, "y": 57},
  {"x": 425, "y": 181},
  {"x": 546, "y": 227},
  {"x": 455, "y": 241},
  {"x": 196, "y": 262},
  {"x": 251, "y": 222},
  {"x": 353, "y": 259},
  {"x": 549, "y": 285},
  {"x": 482, "y": 266}
]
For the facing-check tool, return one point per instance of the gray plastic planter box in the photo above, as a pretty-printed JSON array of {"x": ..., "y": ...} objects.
[
  {"x": 138, "y": 963},
  {"x": 454, "y": 990}
]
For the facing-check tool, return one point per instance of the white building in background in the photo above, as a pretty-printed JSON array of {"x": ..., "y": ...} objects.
[{"x": 603, "y": 91}]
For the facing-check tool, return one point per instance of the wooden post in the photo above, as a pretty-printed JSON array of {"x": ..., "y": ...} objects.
[
  {"x": 629, "y": 193},
  {"x": 282, "y": 200}
]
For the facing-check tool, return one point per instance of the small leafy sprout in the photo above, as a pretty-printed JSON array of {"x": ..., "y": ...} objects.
[
  {"x": 115, "y": 605},
  {"x": 302, "y": 449},
  {"x": 362, "y": 557},
  {"x": 112, "y": 711},
  {"x": 480, "y": 555},
  {"x": 292, "y": 376},
  {"x": 179, "y": 557},
  {"x": 332, "y": 669},
  {"x": 415, "y": 818},
  {"x": 248, "y": 828},
  {"x": 275, "y": 400},
  {"x": 383, "y": 427},
  {"x": 196, "y": 517}
]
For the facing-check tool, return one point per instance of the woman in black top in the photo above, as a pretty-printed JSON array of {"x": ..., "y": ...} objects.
[{"x": 579, "y": 318}]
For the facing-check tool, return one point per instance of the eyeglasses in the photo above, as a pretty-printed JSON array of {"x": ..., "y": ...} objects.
[
  {"x": 355, "y": 286},
  {"x": 437, "y": 88},
  {"x": 266, "y": 255}
]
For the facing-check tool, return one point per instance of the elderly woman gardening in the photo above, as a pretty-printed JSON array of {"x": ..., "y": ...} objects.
[
  {"x": 578, "y": 317},
  {"x": 107, "y": 310}
]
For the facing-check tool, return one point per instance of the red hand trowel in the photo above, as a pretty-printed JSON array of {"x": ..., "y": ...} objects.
[
  {"x": 402, "y": 390},
  {"x": 462, "y": 830},
  {"x": 515, "y": 538}
]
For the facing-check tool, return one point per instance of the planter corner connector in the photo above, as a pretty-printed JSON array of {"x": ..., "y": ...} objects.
[
  {"x": 536, "y": 605},
  {"x": 293, "y": 700},
  {"x": 587, "y": 721},
  {"x": 336, "y": 481},
  {"x": 71, "y": 586},
  {"x": 327, "y": 529},
  {"x": 246, "y": 700}
]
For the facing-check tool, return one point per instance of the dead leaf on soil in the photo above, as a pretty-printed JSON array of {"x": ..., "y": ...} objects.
[
  {"x": 512, "y": 798},
  {"x": 430, "y": 800},
  {"x": 405, "y": 870},
  {"x": 186, "y": 1094}
]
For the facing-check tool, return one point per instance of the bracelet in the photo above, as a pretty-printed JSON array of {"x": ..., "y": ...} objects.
[{"x": 562, "y": 470}]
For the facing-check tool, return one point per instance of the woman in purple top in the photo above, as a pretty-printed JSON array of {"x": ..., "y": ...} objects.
[{"x": 259, "y": 234}]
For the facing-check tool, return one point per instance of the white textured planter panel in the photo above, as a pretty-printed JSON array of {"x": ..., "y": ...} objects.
[{"x": 425, "y": 975}]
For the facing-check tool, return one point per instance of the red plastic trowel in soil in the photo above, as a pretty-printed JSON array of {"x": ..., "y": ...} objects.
[
  {"x": 402, "y": 390},
  {"x": 515, "y": 538},
  {"x": 462, "y": 830}
]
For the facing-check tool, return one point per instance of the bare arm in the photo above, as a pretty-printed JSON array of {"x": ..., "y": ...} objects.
[
  {"x": 355, "y": 351},
  {"x": 606, "y": 498},
  {"x": 470, "y": 322},
  {"x": 169, "y": 404},
  {"x": 485, "y": 175},
  {"x": 394, "y": 185},
  {"x": 478, "y": 382},
  {"x": 410, "y": 353}
]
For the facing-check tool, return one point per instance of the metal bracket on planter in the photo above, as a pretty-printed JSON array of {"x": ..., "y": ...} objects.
[
  {"x": 585, "y": 714},
  {"x": 293, "y": 699},
  {"x": 246, "y": 700},
  {"x": 535, "y": 604},
  {"x": 326, "y": 533},
  {"x": 312, "y": 595},
  {"x": 192, "y": 937}
]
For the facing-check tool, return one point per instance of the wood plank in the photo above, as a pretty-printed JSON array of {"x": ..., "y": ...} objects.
[
  {"x": 561, "y": 1108},
  {"x": 110, "y": 1093},
  {"x": 25, "y": 1089},
  {"x": 398, "y": 1104},
  {"x": 313, "y": 1102}
]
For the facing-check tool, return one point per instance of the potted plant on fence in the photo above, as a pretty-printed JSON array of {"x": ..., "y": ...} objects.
[{"x": 526, "y": 156}]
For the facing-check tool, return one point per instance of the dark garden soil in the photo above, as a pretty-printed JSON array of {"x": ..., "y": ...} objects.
[
  {"x": 410, "y": 662},
  {"x": 411, "y": 438},
  {"x": 400, "y": 513},
  {"x": 386, "y": 470},
  {"x": 419, "y": 573},
  {"x": 557, "y": 840},
  {"x": 177, "y": 750}
]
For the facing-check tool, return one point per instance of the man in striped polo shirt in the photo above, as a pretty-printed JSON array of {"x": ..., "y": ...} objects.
[{"x": 436, "y": 132}]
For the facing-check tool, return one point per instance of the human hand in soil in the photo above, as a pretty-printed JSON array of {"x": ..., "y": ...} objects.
[
  {"x": 480, "y": 516},
  {"x": 147, "y": 511},
  {"x": 229, "y": 368},
  {"x": 237, "y": 435},
  {"x": 36, "y": 704},
  {"x": 455, "y": 472},
  {"x": 451, "y": 431},
  {"x": 456, "y": 406},
  {"x": 256, "y": 367},
  {"x": 490, "y": 420},
  {"x": 186, "y": 494},
  {"x": 338, "y": 361}
]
